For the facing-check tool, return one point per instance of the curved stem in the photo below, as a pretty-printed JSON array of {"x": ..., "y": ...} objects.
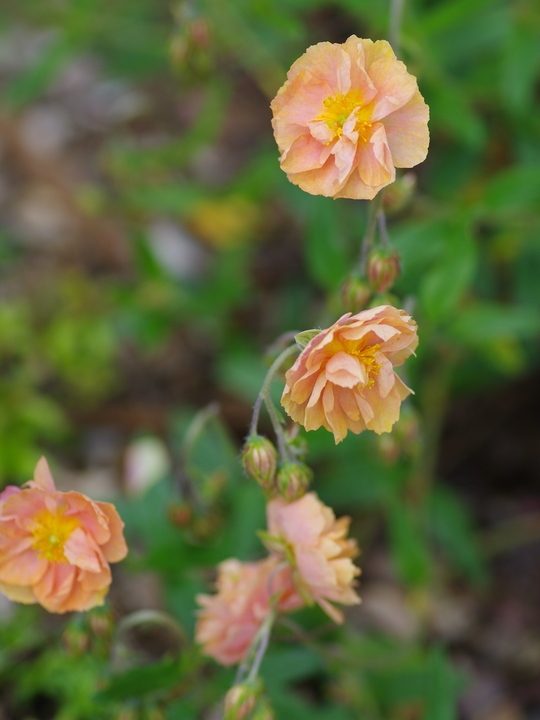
[
  {"x": 369, "y": 235},
  {"x": 264, "y": 396}
]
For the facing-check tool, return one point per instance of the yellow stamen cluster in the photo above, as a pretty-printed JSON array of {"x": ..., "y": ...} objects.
[
  {"x": 366, "y": 357},
  {"x": 338, "y": 109},
  {"x": 51, "y": 533}
]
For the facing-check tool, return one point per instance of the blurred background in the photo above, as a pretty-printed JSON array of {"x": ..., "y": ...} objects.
[{"x": 151, "y": 250}]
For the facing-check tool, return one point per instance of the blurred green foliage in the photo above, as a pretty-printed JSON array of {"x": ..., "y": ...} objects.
[{"x": 198, "y": 152}]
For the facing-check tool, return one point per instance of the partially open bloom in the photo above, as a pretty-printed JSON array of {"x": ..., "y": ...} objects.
[
  {"x": 229, "y": 620},
  {"x": 344, "y": 378},
  {"x": 346, "y": 117},
  {"x": 307, "y": 533},
  {"x": 55, "y": 547}
]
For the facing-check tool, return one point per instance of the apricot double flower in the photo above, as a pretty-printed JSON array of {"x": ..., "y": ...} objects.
[
  {"x": 308, "y": 535},
  {"x": 230, "y": 619},
  {"x": 346, "y": 117},
  {"x": 55, "y": 547},
  {"x": 344, "y": 378}
]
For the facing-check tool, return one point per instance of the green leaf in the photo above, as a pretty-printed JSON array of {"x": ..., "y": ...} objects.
[
  {"x": 34, "y": 81},
  {"x": 408, "y": 544},
  {"x": 324, "y": 245},
  {"x": 452, "y": 525},
  {"x": 487, "y": 322},
  {"x": 512, "y": 191},
  {"x": 446, "y": 282},
  {"x": 139, "y": 681}
]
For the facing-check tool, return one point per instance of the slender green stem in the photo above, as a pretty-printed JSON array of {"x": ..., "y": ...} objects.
[
  {"x": 369, "y": 236},
  {"x": 201, "y": 419},
  {"x": 396, "y": 16},
  {"x": 265, "y": 631},
  {"x": 264, "y": 396},
  {"x": 257, "y": 649}
]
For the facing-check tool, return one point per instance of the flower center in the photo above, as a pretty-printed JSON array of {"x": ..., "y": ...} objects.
[
  {"x": 338, "y": 109},
  {"x": 51, "y": 532},
  {"x": 366, "y": 356}
]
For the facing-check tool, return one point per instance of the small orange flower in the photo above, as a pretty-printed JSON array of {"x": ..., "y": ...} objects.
[
  {"x": 344, "y": 378},
  {"x": 307, "y": 533},
  {"x": 55, "y": 547},
  {"x": 229, "y": 620},
  {"x": 346, "y": 117}
]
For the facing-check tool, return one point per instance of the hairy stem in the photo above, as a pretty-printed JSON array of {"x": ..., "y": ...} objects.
[
  {"x": 369, "y": 236},
  {"x": 396, "y": 16},
  {"x": 264, "y": 396}
]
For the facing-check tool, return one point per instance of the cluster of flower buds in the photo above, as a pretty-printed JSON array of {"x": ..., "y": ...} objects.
[{"x": 289, "y": 479}]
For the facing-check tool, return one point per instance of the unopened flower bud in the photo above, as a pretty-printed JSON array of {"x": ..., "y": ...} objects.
[
  {"x": 398, "y": 194},
  {"x": 293, "y": 479},
  {"x": 180, "y": 514},
  {"x": 240, "y": 700},
  {"x": 382, "y": 269},
  {"x": 259, "y": 459},
  {"x": 263, "y": 711},
  {"x": 355, "y": 293},
  {"x": 75, "y": 640}
]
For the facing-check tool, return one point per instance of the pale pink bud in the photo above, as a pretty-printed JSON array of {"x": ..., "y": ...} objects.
[
  {"x": 259, "y": 459},
  {"x": 240, "y": 700},
  {"x": 382, "y": 269}
]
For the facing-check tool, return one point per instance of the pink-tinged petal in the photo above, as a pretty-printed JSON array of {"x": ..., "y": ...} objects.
[
  {"x": 299, "y": 100},
  {"x": 328, "y": 64},
  {"x": 395, "y": 87},
  {"x": 359, "y": 77},
  {"x": 321, "y": 132},
  {"x": 8, "y": 492},
  {"x": 386, "y": 379},
  {"x": 318, "y": 387},
  {"x": 55, "y": 586},
  {"x": 324, "y": 181},
  {"x": 345, "y": 155},
  {"x": 314, "y": 418},
  {"x": 375, "y": 162},
  {"x": 81, "y": 551},
  {"x": 314, "y": 568},
  {"x": 42, "y": 477},
  {"x": 21, "y": 566},
  {"x": 18, "y": 593},
  {"x": 407, "y": 132},
  {"x": 386, "y": 410},
  {"x": 306, "y": 154},
  {"x": 365, "y": 408},
  {"x": 345, "y": 370},
  {"x": 356, "y": 189},
  {"x": 89, "y": 514},
  {"x": 331, "y": 610},
  {"x": 115, "y": 549},
  {"x": 22, "y": 507},
  {"x": 348, "y": 404}
]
